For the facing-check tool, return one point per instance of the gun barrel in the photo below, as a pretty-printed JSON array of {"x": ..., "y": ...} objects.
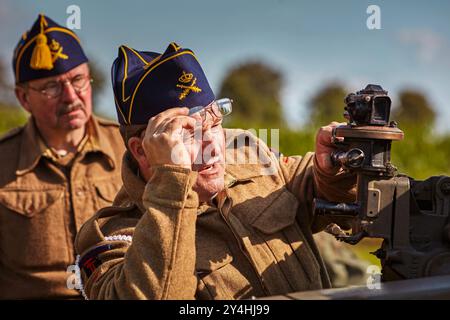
[
  {"x": 422, "y": 288},
  {"x": 323, "y": 207}
]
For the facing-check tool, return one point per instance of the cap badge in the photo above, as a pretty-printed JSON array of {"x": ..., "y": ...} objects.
[{"x": 185, "y": 79}]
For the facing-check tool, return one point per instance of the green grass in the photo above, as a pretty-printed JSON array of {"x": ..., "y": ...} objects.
[{"x": 363, "y": 249}]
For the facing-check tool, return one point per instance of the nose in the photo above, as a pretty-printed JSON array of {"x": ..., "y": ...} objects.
[
  {"x": 68, "y": 93},
  {"x": 211, "y": 146}
]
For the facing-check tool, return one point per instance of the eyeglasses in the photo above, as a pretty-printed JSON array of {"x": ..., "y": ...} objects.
[
  {"x": 211, "y": 115},
  {"x": 54, "y": 89},
  {"x": 214, "y": 112}
]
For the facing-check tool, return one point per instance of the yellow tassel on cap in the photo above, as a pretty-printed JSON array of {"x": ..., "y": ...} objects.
[{"x": 41, "y": 57}]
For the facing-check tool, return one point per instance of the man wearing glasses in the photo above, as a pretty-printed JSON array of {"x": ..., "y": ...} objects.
[
  {"x": 57, "y": 170},
  {"x": 204, "y": 212}
]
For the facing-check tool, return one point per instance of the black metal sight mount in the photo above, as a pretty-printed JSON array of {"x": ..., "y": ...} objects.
[{"x": 411, "y": 216}]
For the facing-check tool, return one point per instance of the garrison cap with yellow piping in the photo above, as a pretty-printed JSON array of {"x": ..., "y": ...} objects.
[
  {"x": 46, "y": 50},
  {"x": 147, "y": 83}
]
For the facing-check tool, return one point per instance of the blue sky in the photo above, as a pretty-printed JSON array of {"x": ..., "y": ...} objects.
[{"x": 311, "y": 42}]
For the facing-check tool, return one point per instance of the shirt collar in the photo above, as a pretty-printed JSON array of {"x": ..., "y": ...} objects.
[
  {"x": 135, "y": 185},
  {"x": 132, "y": 183},
  {"x": 230, "y": 180},
  {"x": 98, "y": 142},
  {"x": 240, "y": 173},
  {"x": 33, "y": 147}
]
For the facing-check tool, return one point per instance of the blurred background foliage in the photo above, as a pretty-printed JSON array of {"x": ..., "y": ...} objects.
[{"x": 256, "y": 88}]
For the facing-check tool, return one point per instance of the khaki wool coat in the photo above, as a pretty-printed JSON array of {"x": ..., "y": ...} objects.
[{"x": 254, "y": 239}]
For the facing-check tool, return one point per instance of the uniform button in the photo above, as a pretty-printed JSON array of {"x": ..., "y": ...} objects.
[{"x": 30, "y": 209}]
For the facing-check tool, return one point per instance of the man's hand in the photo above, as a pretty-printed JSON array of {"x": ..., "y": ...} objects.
[
  {"x": 324, "y": 148},
  {"x": 163, "y": 140}
]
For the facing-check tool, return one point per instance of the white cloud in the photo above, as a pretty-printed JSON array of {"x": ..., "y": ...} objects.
[{"x": 428, "y": 44}]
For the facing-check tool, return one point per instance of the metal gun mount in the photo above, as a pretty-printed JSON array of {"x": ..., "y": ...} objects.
[{"x": 411, "y": 216}]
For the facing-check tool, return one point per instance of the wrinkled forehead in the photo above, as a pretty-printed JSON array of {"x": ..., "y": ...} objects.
[{"x": 82, "y": 69}]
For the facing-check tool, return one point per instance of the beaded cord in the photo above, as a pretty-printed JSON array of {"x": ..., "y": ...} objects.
[{"x": 118, "y": 237}]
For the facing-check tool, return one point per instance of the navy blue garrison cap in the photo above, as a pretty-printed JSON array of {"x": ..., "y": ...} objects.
[
  {"x": 46, "y": 50},
  {"x": 147, "y": 83}
]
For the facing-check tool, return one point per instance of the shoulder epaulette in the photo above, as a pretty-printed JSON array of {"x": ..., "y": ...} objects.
[
  {"x": 105, "y": 122},
  {"x": 113, "y": 210},
  {"x": 11, "y": 133}
]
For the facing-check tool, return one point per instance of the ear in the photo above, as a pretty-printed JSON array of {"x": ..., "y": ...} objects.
[
  {"x": 22, "y": 96},
  {"x": 135, "y": 147}
]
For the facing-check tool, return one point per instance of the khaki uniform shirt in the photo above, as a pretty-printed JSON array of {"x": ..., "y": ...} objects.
[
  {"x": 253, "y": 239},
  {"x": 44, "y": 201}
]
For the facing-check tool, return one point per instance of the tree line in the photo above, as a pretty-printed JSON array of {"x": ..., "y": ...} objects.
[{"x": 256, "y": 87}]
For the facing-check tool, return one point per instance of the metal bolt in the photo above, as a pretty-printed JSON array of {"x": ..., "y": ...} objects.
[{"x": 445, "y": 188}]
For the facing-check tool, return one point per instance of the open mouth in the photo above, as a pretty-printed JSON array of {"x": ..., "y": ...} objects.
[{"x": 208, "y": 169}]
